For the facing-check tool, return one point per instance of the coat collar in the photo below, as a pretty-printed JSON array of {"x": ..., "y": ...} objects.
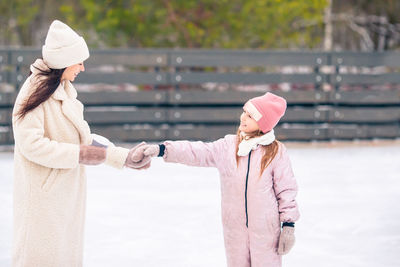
[
  {"x": 64, "y": 91},
  {"x": 73, "y": 109}
]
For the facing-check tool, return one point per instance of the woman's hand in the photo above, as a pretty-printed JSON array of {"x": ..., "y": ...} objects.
[
  {"x": 92, "y": 155},
  {"x": 136, "y": 158}
]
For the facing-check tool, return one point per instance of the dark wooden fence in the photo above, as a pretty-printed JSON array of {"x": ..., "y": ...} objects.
[{"x": 198, "y": 94}]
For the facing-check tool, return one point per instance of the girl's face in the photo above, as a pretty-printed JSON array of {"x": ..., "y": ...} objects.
[
  {"x": 247, "y": 123},
  {"x": 71, "y": 72}
]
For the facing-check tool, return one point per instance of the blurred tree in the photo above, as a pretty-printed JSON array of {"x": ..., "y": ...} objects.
[
  {"x": 16, "y": 17},
  {"x": 25, "y": 22},
  {"x": 366, "y": 25},
  {"x": 308, "y": 24},
  {"x": 199, "y": 23}
]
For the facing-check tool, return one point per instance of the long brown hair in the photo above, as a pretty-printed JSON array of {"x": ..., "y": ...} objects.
[
  {"x": 46, "y": 84},
  {"x": 270, "y": 150}
]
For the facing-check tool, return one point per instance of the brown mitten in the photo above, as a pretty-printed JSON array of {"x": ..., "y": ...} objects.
[
  {"x": 152, "y": 150},
  {"x": 286, "y": 240},
  {"x": 136, "y": 158},
  {"x": 92, "y": 155}
]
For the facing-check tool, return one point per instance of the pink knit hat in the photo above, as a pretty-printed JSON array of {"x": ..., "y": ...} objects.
[{"x": 266, "y": 110}]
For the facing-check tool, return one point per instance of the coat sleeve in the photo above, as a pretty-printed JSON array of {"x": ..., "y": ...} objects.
[
  {"x": 116, "y": 156},
  {"x": 285, "y": 187},
  {"x": 197, "y": 153},
  {"x": 31, "y": 142}
]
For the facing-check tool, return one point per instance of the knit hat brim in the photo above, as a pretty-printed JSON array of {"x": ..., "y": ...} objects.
[
  {"x": 66, "y": 56},
  {"x": 267, "y": 110}
]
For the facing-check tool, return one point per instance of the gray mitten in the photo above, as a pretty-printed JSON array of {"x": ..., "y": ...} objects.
[
  {"x": 286, "y": 240},
  {"x": 92, "y": 155},
  {"x": 152, "y": 150}
]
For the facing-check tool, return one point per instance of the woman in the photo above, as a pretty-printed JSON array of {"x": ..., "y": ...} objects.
[{"x": 52, "y": 141}]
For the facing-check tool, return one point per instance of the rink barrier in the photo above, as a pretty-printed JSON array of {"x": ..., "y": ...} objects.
[
  {"x": 171, "y": 105},
  {"x": 191, "y": 120}
]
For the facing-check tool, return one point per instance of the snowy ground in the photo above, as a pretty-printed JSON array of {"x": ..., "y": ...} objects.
[{"x": 170, "y": 215}]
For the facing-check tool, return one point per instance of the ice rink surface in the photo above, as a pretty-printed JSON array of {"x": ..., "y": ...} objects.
[{"x": 169, "y": 215}]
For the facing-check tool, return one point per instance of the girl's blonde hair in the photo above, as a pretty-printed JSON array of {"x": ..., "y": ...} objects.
[{"x": 270, "y": 150}]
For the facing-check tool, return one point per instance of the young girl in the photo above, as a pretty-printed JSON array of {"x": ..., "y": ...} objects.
[{"x": 257, "y": 183}]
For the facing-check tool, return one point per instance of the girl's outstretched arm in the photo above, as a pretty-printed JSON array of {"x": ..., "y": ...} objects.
[
  {"x": 193, "y": 153},
  {"x": 201, "y": 154}
]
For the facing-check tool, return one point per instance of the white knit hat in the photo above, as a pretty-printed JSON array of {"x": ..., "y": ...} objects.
[{"x": 63, "y": 47}]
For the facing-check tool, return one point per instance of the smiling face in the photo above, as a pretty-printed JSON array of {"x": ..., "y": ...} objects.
[
  {"x": 247, "y": 123},
  {"x": 72, "y": 72}
]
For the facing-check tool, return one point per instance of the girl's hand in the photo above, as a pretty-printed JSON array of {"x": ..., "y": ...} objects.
[
  {"x": 152, "y": 150},
  {"x": 286, "y": 240}
]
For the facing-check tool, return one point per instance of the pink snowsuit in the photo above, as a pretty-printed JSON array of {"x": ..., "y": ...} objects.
[{"x": 252, "y": 206}]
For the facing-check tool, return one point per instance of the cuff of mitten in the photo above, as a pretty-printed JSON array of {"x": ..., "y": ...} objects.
[
  {"x": 116, "y": 156},
  {"x": 161, "y": 150},
  {"x": 289, "y": 224},
  {"x": 165, "y": 152}
]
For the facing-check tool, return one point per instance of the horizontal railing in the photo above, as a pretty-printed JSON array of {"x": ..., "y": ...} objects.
[{"x": 198, "y": 94}]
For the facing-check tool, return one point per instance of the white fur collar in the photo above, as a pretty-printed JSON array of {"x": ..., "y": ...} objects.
[
  {"x": 247, "y": 145},
  {"x": 64, "y": 91}
]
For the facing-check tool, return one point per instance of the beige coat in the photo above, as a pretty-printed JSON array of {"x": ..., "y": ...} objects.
[{"x": 49, "y": 182}]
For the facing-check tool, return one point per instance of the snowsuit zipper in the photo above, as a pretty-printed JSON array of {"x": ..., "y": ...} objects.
[{"x": 245, "y": 192}]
